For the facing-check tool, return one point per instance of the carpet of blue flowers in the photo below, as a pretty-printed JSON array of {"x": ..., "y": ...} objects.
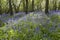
[{"x": 32, "y": 27}]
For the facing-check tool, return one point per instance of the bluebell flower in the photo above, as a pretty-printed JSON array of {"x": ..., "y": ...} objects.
[{"x": 37, "y": 29}]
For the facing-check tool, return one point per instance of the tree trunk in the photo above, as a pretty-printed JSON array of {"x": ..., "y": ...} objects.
[
  {"x": 55, "y": 5},
  {"x": 26, "y": 7},
  {"x": 46, "y": 6},
  {"x": 32, "y": 5},
  {"x": 40, "y": 7},
  {"x": 10, "y": 8},
  {"x": 59, "y": 6},
  {"x": 0, "y": 7}
]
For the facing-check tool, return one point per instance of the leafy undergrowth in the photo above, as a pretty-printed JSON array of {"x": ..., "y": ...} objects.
[
  {"x": 32, "y": 27},
  {"x": 2, "y": 23}
]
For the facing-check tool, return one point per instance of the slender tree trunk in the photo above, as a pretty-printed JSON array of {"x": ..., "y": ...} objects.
[
  {"x": 18, "y": 7},
  {"x": 40, "y": 7},
  {"x": 0, "y": 7},
  {"x": 14, "y": 7},
  {"x": 10, "y": 7},
  {"x": 59, "y": 6},
  {"x": 55, "y": 5},
  {"x": 37, "y": 7},
  {"x": 32, "y": 5},
  {"x": 26, "y": 7},
  {"x": 46, "y": 6}
]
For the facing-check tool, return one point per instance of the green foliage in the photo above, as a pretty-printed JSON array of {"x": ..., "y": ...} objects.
[
  {"x": 1, "y": 23},
  {"x": 19, "y": 5},
  {"x": 55, "y": 18},
  {"x": 27, "y": 30}
]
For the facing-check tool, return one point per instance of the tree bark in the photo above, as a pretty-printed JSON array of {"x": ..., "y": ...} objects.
[
  {"x": 10, "y": 8},
  {"x": 26, "y": 7},
  {"x": 0, "y": 7},
  {"x": 32, "y": 5},
  {"x": 59, "y": 6},
  {"x": 46, "y": 6},
  {"x": 55, "y": 5}
]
